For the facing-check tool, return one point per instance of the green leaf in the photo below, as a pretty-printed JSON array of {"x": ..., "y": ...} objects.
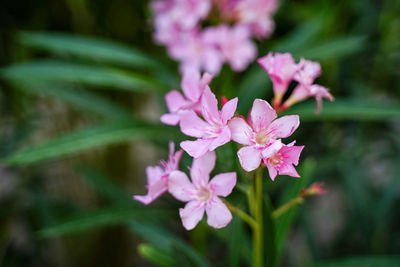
[
  {"x": 78, "y": 97},
  {"x": 269, "y": 235},
  {"x": 370, "y": 261},
  {"x": 96, "y": 219},
  {"x": 156, "y": 255},
  {"x": 283, "y": 223},
  {"x": 332, "y": 49},
  {"x": 87, "y": 47},
  {"x": 342, "y": 109},
  {"x": 105, "y": 134},
  {"x": 83, "y": 74}
]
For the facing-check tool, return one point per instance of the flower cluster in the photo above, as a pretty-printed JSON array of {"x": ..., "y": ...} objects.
[
  {"x": 177, "y": 25},
  {"x": 282, "y": 70},
  {"x": 198, "y": 115}
]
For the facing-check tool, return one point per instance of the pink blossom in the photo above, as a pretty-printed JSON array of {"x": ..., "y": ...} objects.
[
  {"x": 211, "y": 132},
  {"x": 308, "y": 72},
  {"x": 193, "y": 50},
  {"x": 281, "y": 68},
  {"x": 280, "y": 158},
  {"x": 174, "y": 16},
  {"x": 202, "y": 194},
  {"x": 192, "y": 86},
  {"x": 157, "y": 176},
  {"x": 234, "y": 43},
  {"x": 263, "y": 130},
  {"x": 257, "y": 15}
]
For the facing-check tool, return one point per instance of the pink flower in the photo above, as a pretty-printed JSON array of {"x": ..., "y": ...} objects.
[
  {"x": 202, "y": 194},
  {"x": 192, "y": 86},
  {"x": 211, "y": 132},
  {"x": 234, "y": 43},
  {"x": 257, "y": 15},
  {"x": 193, "y": 50},
  {"x": 280, "y": 158},
  {"x": 281, "y": 68},
  {"x": 263, "y": 130},
  {"x": 157, "y": 176},
  {"x": 308, "y": 72},
  {"x": 174, "y": 16}
]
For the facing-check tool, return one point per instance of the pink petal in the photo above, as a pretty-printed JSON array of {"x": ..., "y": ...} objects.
[
  {"x": 288, "y": 169},
  {"x": 222, "y": 184},
  {"x": 175, "y": 101},
  {"x": 196, "y": 148},
  {"x": 170, "y": 119},
  {"x": 261, "y": 114},
  {"x": 154, "y": 173},
  {"x": 272, "y": 172},
  {"x": 223, "y": 138},
  {"x": 191, "y": 124},
  {"x": 191, "y": 214},
  {"x": 292, "y": 153},
  {"x": 241, "y": 132},
  {"x": 180, "y": 187},
  {"x": 209, "y": 106},
  {"x": 218, "y": 215},
  {"x": 228, "y": 110},
  {"x": 201, "y": 169},
  {"x": 249, "y": 157},
  {"x": 272, "y": 149},
  {"x": 284, "y": 126},
  {"x": 155, "y": 190},
  {"x": 190, "y": 84}
]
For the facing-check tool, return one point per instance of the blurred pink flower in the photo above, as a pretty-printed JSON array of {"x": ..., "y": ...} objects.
[
  {"x": 173, "y": 16},
  {"x": 194, "y": 51},
  {"x": 157, "y": 176},
  {"x": 256, "y": 14},
  {"x": 211, "y": 132},
  {"x": 234, "y": 43},
  {"x": 308, "y": 72},
  {"x": 280, "y": 158},
  {"x": 264, "y": 130},
  {"x": 281, "y": 68},
  {"x": 202, "y": 194},
  {"x": 192, "y": 86}
]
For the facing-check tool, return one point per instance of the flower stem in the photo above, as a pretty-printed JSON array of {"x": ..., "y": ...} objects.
[
  {"x": 258, "y": 243},
  {"x": 287, "y": 206},
  {"x": 243, "y": 215}
]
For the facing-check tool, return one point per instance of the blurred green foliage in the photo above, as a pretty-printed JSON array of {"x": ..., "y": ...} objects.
[{"x": 82, "y": 86}]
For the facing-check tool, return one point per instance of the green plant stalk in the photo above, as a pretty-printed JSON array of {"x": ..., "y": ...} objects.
[
  {"x": 287, "y": 206},
  {"x": 257, "y": 202},
  {"x": 241, "y": 214}
]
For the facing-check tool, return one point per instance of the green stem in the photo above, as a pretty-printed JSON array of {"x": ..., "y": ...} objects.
[
  {"x": 287, "y": 206},
  {"x": 258, "y": 243},
  {"x": 243, "y": 215}
]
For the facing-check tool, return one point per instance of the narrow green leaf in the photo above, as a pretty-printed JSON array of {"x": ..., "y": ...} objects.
[
  {"x": 283, "y": 223},
  {"x": 96, "y": 219},
  {"x": 83, "y": 74},
  {"x": 269, "y": 235},
  {"x": 78, "y": 97},
  {"x": 105, "y": 134},
  {"x": 370, "y": 261},
  {"x": 87, "y": 47},
  {"x": 156, "y": 255},
  {"x": 332, "y": 49},
  {"x": 349, "y": 109}
]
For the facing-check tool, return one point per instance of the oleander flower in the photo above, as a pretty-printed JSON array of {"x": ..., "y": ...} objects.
[
  {"x": 235, "y": 44},
  {"x": 281, "y": 68},
  {"x": 262, "y": 130},
  {"x": 280, "y": 158},
  {"x": 306, "y": 75},
  {"x": 211, "y": 132},
  {"x": 157, "y": 176},
  {"x": 193, "y": 86},
  {"x": 202, "y": 194}
]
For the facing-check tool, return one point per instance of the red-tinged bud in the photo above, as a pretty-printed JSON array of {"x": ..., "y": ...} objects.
[
  {"x": 316, "y": 189},
  {"x": 224, "y": 100}
]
